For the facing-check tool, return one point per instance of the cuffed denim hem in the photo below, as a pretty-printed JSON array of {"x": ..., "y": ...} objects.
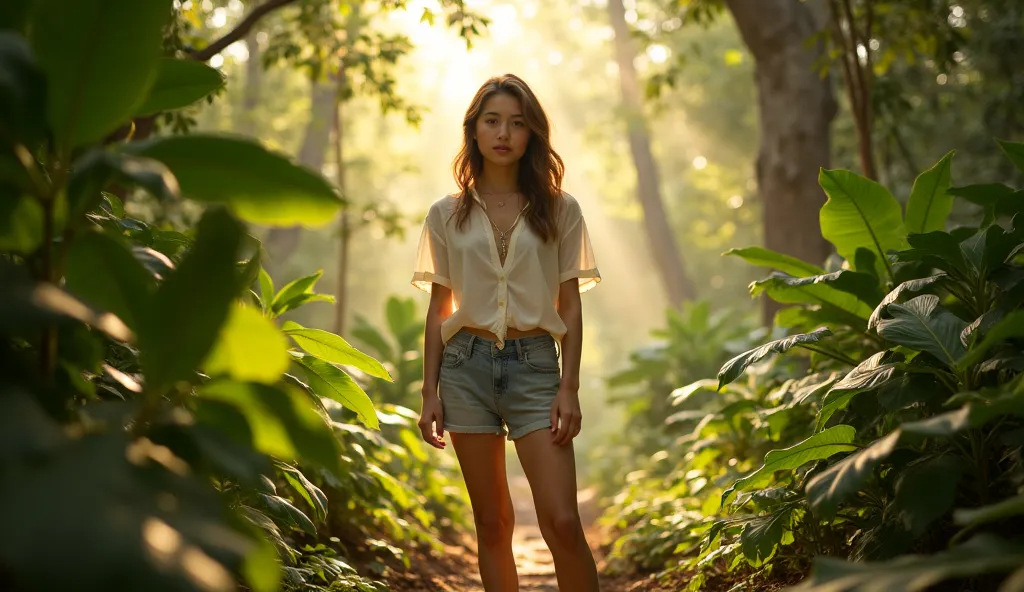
[
  {"x": 498, "y": 431},
  {"x": 530, "y": 427}
]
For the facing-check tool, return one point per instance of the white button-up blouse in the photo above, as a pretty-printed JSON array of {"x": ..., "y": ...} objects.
[{"x": 487, "y": 295}]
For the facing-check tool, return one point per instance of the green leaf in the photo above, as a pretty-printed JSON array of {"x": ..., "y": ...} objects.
[
  {"x": 938, "y": 249},
  {"x": 261, "y": 569},
  {"x": 860, "y": 213},
  {"x": 332, "y": 348},
  {"x": 909, "y": 286},
  {"x": 313, "y": 495},
  {"x": 831, "y": 487},
  {"x": 179, "y": 83},
  {"x": 983, "y": 554},
  {"x": 999, "y": 511},
  {"x": 266, "y": 289},
  {"x": 14, "y": 16},
  {"x": 259, "y": 185},
  {"x": 921, "y": 324},
  {"x": 100, "y": 59},
  {"x": 778, "y": 261},
  {"x": 101, "y": 271},
  {"x": 814, "y": 290},
  {"x": 21, "y": 224},
  {"x": 868, "y": 375},
  {"x": 1015, "y": 152},
  {"x": 996, "y": 199},
  {"x": 365, "y": 332},
  {"x": 282, "y": 509},
  {"x": 732, "y": 369},
  {"x": 249, "y": 348},
  {"x": 761, "y": 536},
  {"x": 1012, "y": 326},
  {"x": 283, "y": 422},
  {"x": 930, "y": 204},
  {"x": 22, "y": 92},
  {"x": 925, "y": 491},
  {"x": 325, "y": 380},
  {"x": 294, "y": 289},
  {"x": 192, "y": 304},
  {"x": 819, "y": 446}
]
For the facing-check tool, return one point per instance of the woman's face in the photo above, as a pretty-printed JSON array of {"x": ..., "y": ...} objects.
[{"x": 501, "y": 131}]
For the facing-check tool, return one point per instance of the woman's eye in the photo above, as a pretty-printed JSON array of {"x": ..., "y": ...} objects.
[
  {"x": 518, "y": 123},
  {"x": 491, "y": 121}
]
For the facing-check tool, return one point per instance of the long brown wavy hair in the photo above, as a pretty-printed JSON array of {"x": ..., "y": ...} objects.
[{"x": 540, "y": 168}]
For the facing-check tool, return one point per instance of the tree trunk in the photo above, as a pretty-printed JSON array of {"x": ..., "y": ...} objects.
[
  {"x": 796, "y": 109},
  {"x": 282, "y": 242},
  {"x": 341, "y": 290},
  {"x": 661, "y": 241},
  {"x": 245, "y": 121}
]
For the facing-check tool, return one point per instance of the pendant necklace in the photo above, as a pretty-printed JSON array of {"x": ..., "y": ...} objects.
[{"x": 502, "y": 242}]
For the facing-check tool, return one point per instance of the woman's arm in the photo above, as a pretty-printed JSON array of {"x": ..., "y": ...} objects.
[
  {"x": 431, "y": 418},
  {"x": 567, "y": 402}
]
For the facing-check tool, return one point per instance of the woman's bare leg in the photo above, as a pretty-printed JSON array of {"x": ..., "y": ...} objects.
[
  {"x": 482, "y": 458},
  {"x": 551, "y": 470}
]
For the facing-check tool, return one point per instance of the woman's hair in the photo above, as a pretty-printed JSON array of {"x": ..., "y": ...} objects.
[{"x": 540, "y": 168}]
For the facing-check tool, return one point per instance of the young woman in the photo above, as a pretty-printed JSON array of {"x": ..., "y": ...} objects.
[{"x": 505, "y": 260}]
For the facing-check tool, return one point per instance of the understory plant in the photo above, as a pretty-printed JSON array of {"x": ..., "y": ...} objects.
[
  {"x": 887, "y": 441},
  {"x": 162, "y": 427}
]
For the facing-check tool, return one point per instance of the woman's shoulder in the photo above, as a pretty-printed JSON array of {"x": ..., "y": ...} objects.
[
  {"x": 445, "y": 205},
  {"x": 568, "y": 206}
]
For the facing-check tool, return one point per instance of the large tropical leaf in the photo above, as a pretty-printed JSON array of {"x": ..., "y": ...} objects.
[
  {"x": 332, "y": 348},
  {"x": 249, "y": 348},
  {"x": 816, "y": 290},
  {"x": 328, "y": 381},
  {"x": 868, "y": 375},
  {"x": 925, "y": 491},
  {"x": 100, "y": 58},
  {"x": 860, "y": 213},
  {"x": 761, "y": 536},
  {"x": 259, "y": 185},
  {"x": 281, "y": 418},
  {"x": 930, "y": 204},
  {"x": 296, "y": 293},
  {"x": 836, "y": 484},
  {"x": 819, "y": 446},
  {"x": 909, "y": 286},
  {"x": 192, "y": 304},
  {"x": 921, "y": 324},
  {"x": 1010, "y": 327},
  {"x": 731, "y": 370},
  {"x": 983, "y": 554},
  {"x": 178, "y": 84},
  {"x": 774, "y": 260},
  {"x": 1009, "y": 507}
]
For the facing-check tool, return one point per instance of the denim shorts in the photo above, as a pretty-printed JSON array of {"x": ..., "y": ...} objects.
[{"x": 483, "y": 387}]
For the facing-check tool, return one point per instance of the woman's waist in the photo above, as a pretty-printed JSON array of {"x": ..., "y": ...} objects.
[{"x": 510, "y": 333}]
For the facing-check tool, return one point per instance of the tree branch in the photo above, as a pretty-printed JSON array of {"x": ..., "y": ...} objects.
[{"x": 240, "y": 30}]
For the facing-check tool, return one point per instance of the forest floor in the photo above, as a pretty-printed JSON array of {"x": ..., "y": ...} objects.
[{"x": 456, "y": 569}]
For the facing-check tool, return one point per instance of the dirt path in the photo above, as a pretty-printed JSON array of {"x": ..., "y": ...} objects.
[{"x": 533, "y": 559}]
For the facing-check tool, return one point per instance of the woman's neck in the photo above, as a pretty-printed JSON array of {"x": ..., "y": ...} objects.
[{"x": 498, "y": 179}]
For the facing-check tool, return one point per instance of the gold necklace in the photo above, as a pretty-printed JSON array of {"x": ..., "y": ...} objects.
[
  {"x": 502, "y": 243},
  {"x": 501, "y": 202}
]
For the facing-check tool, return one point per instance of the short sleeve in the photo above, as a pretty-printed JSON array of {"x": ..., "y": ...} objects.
[
  {"x": 576, "y": 257},
  {"x": 432, "y": 253}
]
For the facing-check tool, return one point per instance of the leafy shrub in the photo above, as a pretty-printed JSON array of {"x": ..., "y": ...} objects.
[
  {"x": 905, "y": 434},
  {"x": 160, "y": 430}
]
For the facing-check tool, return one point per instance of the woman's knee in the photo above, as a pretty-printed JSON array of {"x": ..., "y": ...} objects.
[
  {"x": 495, "y": 528},
  {"x": 563, "y": 529}
]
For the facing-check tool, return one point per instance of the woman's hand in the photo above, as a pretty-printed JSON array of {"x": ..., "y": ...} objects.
[
  {"x": 566, "y": 407},
  {"x": 431, "y": 415}
]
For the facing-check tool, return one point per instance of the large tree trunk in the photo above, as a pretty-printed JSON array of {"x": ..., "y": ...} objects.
[
  {"x": 796, "y": 110},
  {"x": 659, "y": 233},
  {"x": 282, "y": 242},
  {"x": 245, "y": 119},
  {"x": 344, "y": 228}
]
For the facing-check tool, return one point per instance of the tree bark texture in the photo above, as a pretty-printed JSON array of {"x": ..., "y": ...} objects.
[
  {"x": 796, "y": 108},
  {"x": 661, "y": 240}
]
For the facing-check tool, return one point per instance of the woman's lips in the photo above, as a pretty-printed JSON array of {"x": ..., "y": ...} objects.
[{"x": 502, "y": 149}]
